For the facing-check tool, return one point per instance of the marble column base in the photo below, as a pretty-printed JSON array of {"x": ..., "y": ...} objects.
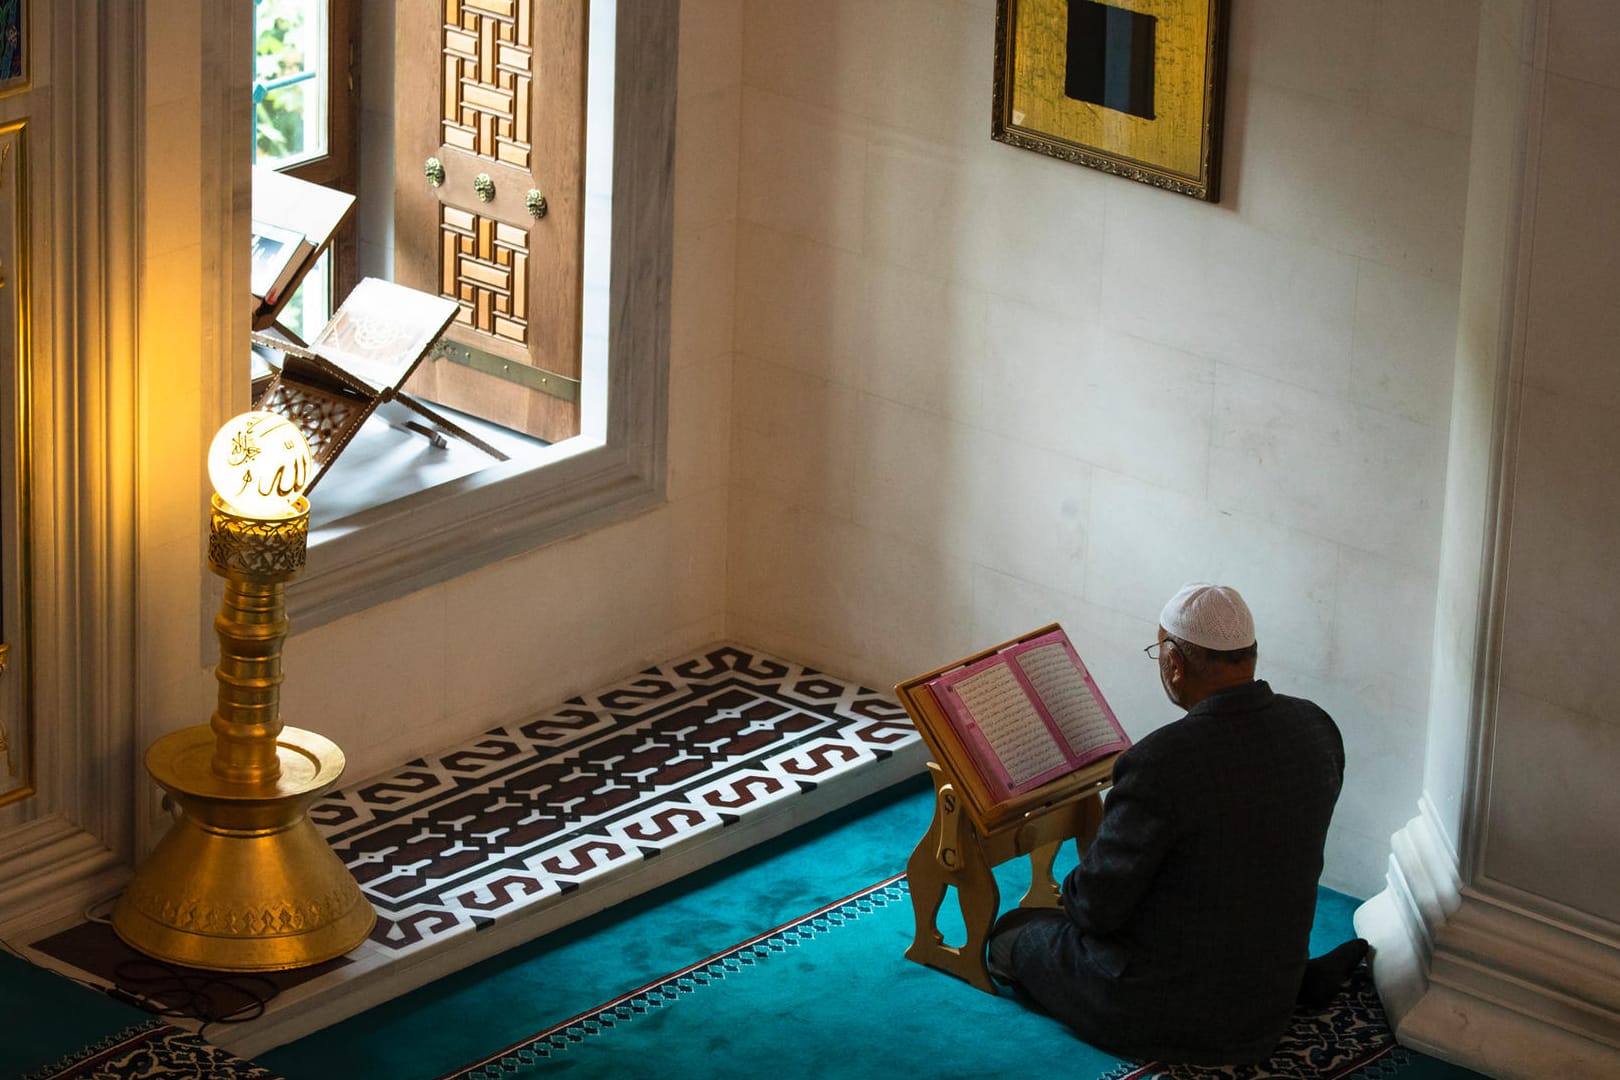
[{"x": 1484, "y": 981}]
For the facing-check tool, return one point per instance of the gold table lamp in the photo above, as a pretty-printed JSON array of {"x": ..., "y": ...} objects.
[{"x": 242, "y": 881}]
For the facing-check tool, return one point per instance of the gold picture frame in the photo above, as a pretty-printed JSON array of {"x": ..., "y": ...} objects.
[
  {"x": 1132, "y": 87},
  {"x": 17, "y": 719},
  {"x": 16, "y": 60}
]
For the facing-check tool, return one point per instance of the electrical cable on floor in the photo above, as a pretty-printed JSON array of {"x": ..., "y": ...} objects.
[
  {"x": 89, "y": 912},
  {"x": 174, "y": 992},
  {"x": 169, "y": 991}
]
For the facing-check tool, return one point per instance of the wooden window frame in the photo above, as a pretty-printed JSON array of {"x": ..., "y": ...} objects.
[{"x": 339, "y": 166}]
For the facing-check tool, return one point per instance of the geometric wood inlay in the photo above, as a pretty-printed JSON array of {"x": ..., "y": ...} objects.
[
  {"x": 488, "y": 76},
  {"x": 484, "y": 268},
  {"x": 324, "y": 417}
]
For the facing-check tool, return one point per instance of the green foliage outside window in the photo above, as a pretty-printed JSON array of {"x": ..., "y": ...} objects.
[
  {"x": 289, "y": 119},
  {"x": 283, "y": 36}
]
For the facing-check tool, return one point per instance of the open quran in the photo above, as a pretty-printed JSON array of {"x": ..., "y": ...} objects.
[{"x": 1016, "y": 725}]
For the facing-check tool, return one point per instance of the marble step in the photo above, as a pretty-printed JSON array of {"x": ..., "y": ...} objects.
[{"x": 535, "y": 825}]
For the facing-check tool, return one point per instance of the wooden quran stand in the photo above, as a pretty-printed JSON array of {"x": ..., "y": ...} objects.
[
  {"x": 972, "y": 833},
  {"x": 956, "y": 852},
  {"x": 313, "y": 211}
]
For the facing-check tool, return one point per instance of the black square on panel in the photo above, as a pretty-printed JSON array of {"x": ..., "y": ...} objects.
[{"x": 1110, "y": 57}]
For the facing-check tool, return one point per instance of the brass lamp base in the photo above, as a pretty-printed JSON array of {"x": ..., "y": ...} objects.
[{"x": 243, "y": 881}]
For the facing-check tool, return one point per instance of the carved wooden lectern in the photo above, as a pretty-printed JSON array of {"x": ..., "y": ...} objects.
[{"x": 1023, "y": 746}]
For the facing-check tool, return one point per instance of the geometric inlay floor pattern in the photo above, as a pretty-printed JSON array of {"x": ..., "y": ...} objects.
[
  {"x": 528, "y": 827},
  {"x": 525, "y": 814}
]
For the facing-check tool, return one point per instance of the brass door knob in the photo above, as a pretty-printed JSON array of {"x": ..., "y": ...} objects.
[
  {"x": 536, "y": 203},
  {"x": 484, "y": 186},
  {"x": 433, "y": 169}
]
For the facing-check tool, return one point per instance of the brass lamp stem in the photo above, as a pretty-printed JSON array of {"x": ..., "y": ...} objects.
[{"x": 251, "y": 624}]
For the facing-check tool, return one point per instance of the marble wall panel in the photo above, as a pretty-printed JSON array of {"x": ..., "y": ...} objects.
[
  {"x": 1566, "y": 508},
  {"x": 1209, "y": 284},
  {"x": 1146, "y": 542},
  {"x": 806, "y": 171},
  {"x": 376, "y": 684},
  {"x": 1033, "y": 374},
  {"x": 793, "y": 438},
  {"x": 843, "y": 55},
  {"x": 1016, "y": 225},
  {"x": 1417, "y": 50},
  {"x": 1288, "y": 579},
  {"x": 1405, "y": 334},
  {"x": 1583, "y": 39},
  {"x": 1310, "y": 168},
  {"x": 1576, "y": 258},
  {"x": 880, "y": 606},
  {"x": 1343, "y": 472},
  {"x": 1557, "y": 656},
  {"x": 1147, "y": 412},
  {"x": 1554, "y": 804},
  {"x": 702, "y": 295},
  {"x": 711, "y": 46},
  {"x": 921, "y": 340},
  {"x": 1323, "y": 48},
  {"x": 706, "y": 157},
  {"x": 816, "y": 297},
  {"x": 1419, "y": 187},
  {"x": 700, "y": 421},
  {"x": 1379, "y": 634}
]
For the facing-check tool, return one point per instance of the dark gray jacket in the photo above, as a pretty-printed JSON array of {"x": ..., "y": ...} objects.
[{"x": 1189, "y": 917}]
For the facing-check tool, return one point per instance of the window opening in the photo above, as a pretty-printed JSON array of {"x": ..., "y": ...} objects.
[
  {"x": 290, "y": 81},
  {"x": 384, "y": 544},
  {"x": 294, "y": 123},
  {"x": 522, "y": 397}
]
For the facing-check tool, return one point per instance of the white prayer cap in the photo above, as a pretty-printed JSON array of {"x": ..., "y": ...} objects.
[{"x": 1213, "y": 616}]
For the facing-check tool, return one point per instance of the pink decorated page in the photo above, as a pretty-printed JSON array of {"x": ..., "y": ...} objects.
[{"x": 1029, "y": 714}]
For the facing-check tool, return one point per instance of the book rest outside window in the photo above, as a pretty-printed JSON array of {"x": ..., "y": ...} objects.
[
  {"x": 294, "y": 223},
  {"x": 365, "y": 353},
  {"x": 359, "y": 360},
  {"x": 1023, "y": 746}
]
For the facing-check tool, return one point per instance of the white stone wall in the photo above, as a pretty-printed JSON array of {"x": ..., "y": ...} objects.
[
  {"x": 1550, "y": 826},
  {"x": 1479, "y": 397},
  {"x": 977, "y": 389}
]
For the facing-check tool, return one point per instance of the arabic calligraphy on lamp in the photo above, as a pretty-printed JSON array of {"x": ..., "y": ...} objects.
[{"x": 259, "y": 464}]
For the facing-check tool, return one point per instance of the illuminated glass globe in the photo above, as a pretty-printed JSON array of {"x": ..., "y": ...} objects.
[{"x": 260, "y": 463}]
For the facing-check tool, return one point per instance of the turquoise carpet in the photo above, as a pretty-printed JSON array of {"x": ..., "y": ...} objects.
[
  {"x": 786, "y": 960},
  {"x": 56, "y": 1029}
]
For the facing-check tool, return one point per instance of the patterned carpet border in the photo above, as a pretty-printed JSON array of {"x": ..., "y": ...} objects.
[
  {"x": 1349, "y": 1038},
  {"x": 150, "y": 1050},
  {"x": 668, "y": 989}
]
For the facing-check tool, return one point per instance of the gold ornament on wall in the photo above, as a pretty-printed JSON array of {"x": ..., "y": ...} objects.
[
  {"x": 1131, "y": 87},
  {"x": 5, "y": 739}
]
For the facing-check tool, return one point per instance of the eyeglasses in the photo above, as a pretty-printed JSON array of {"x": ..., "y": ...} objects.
[{"x": 1157, "y": 648}]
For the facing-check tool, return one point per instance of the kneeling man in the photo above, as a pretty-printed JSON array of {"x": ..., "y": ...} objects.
[{"x": 1184, "y": 932}]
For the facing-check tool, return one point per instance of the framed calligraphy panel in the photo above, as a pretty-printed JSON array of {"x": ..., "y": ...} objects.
[{"x": 1131, "y": 87}]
